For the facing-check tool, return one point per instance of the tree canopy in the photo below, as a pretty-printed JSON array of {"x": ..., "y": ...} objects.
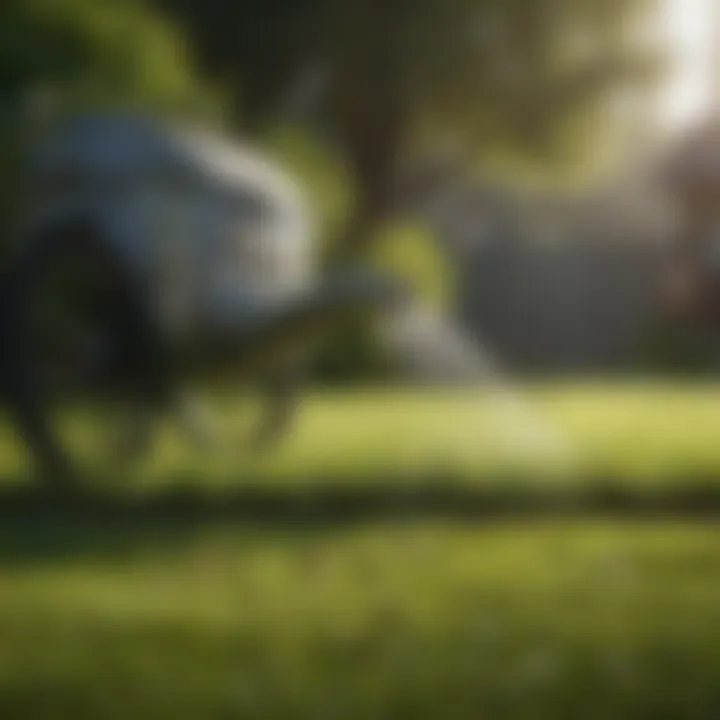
[
  {"x": 381, "y": 81},
  {"x": 92, "y": 51},
  {"x": 514, "y": 76}
]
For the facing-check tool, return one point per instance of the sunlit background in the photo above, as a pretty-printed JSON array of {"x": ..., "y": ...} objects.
[{"x": 691, "y": 27}]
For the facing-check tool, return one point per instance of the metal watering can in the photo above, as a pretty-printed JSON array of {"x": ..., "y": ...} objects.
[{"x": 153, "y": 250}]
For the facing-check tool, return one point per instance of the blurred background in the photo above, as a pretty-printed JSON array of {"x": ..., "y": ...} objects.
[
  {"x": 504, "y": 156},
  {"x": 539, "y": 542}
]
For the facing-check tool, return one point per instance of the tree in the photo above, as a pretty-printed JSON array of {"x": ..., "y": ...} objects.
[
  {"x": 93, "y": 51},
  {"x": 508, "y": 76},
  {"x": 511, "y": 76},
  {"x": 259, "y": 47}
]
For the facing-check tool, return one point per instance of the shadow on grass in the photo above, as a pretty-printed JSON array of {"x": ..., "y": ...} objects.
[
  {"x": 37, "y": 524},
  {"x": 329, "y": 504}
]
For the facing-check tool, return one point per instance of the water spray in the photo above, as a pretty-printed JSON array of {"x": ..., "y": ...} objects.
[{"x": 433, "y": 349}]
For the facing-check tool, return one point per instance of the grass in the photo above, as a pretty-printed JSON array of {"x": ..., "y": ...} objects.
[
  {"x": 416, "y": 621},
  {"x": 172, "y": 614},
  {"x": 636, "y": 434}
]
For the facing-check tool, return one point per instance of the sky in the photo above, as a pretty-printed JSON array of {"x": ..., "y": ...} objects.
[{"x": 689, "y": 28}]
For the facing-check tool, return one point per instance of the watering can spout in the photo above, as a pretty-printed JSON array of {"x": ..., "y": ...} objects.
[{"x": 291, "y": 328}]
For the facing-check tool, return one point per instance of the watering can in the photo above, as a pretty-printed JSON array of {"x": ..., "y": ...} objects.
[{"x": 151, "y": 250}]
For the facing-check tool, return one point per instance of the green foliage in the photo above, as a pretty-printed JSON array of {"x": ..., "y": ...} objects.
[
  {"x": 61, "y": 56},
  {"x": 327, "y": 183},
  {"x": 509, "y": 78},
  {"x": 90, "y": 51},
  {"x": 410, "y": 252}
]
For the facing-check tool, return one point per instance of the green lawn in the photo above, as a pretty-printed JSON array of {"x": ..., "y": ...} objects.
[
  {"x": 417, "y": 621},
  {"x": 150, "y": 614},
  {"x": 639, "y": 433}
]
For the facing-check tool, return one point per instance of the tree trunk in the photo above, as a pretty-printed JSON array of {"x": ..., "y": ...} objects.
[
  {"x": 374, "y": 205},
  {"x": 371, "y": 113}
]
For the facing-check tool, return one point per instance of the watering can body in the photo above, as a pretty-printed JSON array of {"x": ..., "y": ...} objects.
[
  {"x": 219, "y": 239},
  {"x": 214, "y": 232},
  {"x": 209, "y": 243}
]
